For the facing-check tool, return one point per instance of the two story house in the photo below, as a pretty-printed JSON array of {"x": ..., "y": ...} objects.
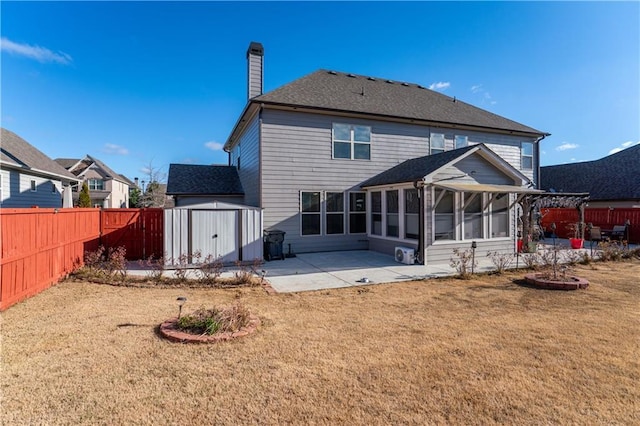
[
  {"x": 107, "y": 188},
  {"x": 28, "y": 178},
  {"x": 340, "y": 161}
]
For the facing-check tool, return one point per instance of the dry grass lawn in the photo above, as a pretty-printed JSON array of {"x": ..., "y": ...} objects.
[{"x": 483, "y": 351}]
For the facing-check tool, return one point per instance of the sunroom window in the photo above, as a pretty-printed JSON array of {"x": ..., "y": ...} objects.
[
  {"x": 500, "y": 216},
  {"x": 393, "y": 226},
  {"x": 376, "y": 213},
  {"x": 411, "y": 214},
  {"x": 472, "y": 216},
  {"x": 444, "y": 216}
]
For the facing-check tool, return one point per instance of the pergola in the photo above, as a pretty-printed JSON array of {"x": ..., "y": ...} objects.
[{"x": 534, "y": 202}]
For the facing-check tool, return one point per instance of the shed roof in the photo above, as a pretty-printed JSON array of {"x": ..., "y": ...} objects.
[
  {"x": 191, "y": 179},
  {"x": 18, "y": 153},
  {"x": 615, "y": 177}
]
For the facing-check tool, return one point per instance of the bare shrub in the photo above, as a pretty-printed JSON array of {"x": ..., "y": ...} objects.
[
  {"x": 531, "y": 260},
  {"x": 246, "y": 274},
  {"x": 155, "y": 268},
  {"x": 611, "y": 251},
  {"x": 215, "y": 320},
  {"x": 500, "y": 260},
  {"x": 181, "y": 265},
  {"x": 116, "y": 263},
  {"x": 210, "y": 269},
  {"x": 462, "y": 261},
  {"x": 573, "y": 257},
  {"x": 93, "y": 259}
]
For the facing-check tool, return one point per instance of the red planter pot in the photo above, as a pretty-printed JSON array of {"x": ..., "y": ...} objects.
[{"x": 576, "y": 243}]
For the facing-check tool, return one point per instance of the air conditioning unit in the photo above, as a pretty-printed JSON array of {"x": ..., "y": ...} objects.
[{"x": 405, "y": 255}]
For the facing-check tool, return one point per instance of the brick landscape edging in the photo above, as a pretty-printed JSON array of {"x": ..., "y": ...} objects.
[{"x": 169, "y": 330}]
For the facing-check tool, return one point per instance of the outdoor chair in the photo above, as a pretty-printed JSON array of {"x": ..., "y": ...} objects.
[
  {"x": 619, "y": 232},
  {"x": 596, "y": 235}
]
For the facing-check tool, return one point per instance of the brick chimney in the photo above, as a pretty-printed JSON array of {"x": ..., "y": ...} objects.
[{"x": 255, "y": 69}]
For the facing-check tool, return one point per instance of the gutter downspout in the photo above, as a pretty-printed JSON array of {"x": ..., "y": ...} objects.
[
  {"x": 419, "y": 186},
  {"x": 538, "y": 157}
]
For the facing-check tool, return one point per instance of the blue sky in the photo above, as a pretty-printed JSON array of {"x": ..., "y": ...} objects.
[{"x": 152, "y": 83}]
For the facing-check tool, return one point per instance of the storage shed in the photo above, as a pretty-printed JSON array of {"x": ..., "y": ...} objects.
[{"x": 230, "y": 232}]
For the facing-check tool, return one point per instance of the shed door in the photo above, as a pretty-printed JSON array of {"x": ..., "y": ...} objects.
[{"x": 215, "y": 232}]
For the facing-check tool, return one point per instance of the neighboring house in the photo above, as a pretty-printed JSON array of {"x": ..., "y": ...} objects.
[
  {"x": 612, "y": 181},
  {"x": 342, "y": 161},
  {"x": 29, "y": 178},
  {"x": 107, "y": 188}
]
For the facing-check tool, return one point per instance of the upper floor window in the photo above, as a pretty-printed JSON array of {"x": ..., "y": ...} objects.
[
  {"x": 34, "y": 188},
  {"x": 527, "y": 156},
  {"x": 437, "y": 143},
  {"x": 53, "y": 187},
  {"x": 461, "y": 141},
  {"x": 95, "y": 184},
  {"x": 351, "y": 142}
]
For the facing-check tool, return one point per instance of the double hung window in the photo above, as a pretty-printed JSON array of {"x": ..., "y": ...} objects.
[
  {"x": 357, "y": 213},
  {"x": 437, "y": 143},
  {"x": 527, "y": 156},
  {"x": 351, "y": 141},
  {"x": 95, "y": 184},
  {"x": 461, "y": 141},
  {"x": 335, "y": 213},
  {"x": 310, "y": 212},
  {"x": 376, "y": 213},
  {"x": 500, "y": 216}
]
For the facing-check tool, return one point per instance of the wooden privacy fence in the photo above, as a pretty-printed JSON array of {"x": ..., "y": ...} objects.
[
  {"x": 40, "y": 246},
  {"x": 140, "y": 231},
  {"x": 605, "y": 218}
]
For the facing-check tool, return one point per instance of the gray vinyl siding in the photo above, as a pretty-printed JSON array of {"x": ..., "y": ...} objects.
[
  {"x": 255, "y": 75},
  {"x": 443, "y": 252},
  {"x": 16, "y": 191},
  {"x": 296, "y": 153},
  {"x": 478, "y": 170},
  {"x": 248, "y": 150},
  {"x": 297, "y": 156}
]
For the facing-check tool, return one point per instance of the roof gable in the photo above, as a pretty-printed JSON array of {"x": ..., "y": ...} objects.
[
  {"x": 16, "y": 152},
  {"x": 355, "y": 93},
  {"x": 190, "y": 179},
  {"x": 615, "y": 177},
  {"x": 425, "y": 168}
]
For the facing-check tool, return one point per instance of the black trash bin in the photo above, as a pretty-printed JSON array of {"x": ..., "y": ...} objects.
[{"x": 273, "y": 240}]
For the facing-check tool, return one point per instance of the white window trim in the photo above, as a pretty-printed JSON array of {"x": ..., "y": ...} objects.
[
  {"x": 352, "y": 142},
  {"x": 522, "y": 156},
  {"x": 349, "y": 212},
  {"x": 319, "y": 212},
  {"x": 323, "y": 196},
  {"x": 468, "y": 197},
  {"x": 439, "y": 150}
]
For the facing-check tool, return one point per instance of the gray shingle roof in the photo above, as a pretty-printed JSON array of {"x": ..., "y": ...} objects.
[
  {"x": 190, "y": 179},
  {"x": 67, "y": 163},
  {"x": 615, "y": 177},
  {"x": 355, "y": 93},
  {"x": 416, "y": 168},
  {"x": 16, "y": 152}
]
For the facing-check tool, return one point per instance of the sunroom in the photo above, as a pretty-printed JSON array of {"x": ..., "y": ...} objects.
[{"x": 437, "y": 203}]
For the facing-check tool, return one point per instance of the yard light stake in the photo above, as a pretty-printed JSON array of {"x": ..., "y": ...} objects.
[
  {"x": 181, "y": 300},
  {"x": 474, "y": 245}
]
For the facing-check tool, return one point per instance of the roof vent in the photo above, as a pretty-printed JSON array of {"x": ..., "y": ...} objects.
[
  {"x": 371, "y": 78},
  {"x": 390, "y": 81},
  {"x": 351, "y": 75},
  {"x": 405, "y": 84},
  {"x": 333, "y": 73}
]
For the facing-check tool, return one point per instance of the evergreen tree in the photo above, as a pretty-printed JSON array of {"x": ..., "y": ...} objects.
[{"x": 84, "y": 199}]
